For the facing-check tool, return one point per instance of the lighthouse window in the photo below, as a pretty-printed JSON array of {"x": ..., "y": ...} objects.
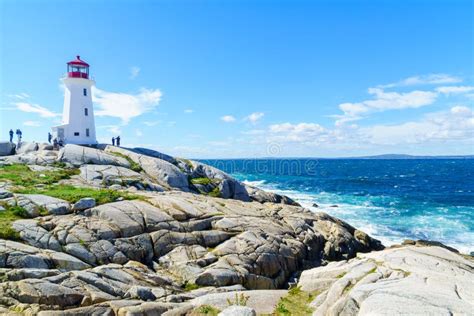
[
  {"x": 76, "y": 133},
  {"x": 85, "y": 92},
  {"x": 86, "y": 111},
  {"x": 87, "y": 132}
]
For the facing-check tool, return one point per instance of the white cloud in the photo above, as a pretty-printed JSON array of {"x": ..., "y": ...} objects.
[
  {"x": 134, "y": 71},
  {"x": 112, "y": 129},
  {"x": 188, "y": 111},
  {"x": 228, "y": 118},
  {"x": 34, "y": 108},
  {"x": 151, "y": 123},
  {"x": 20, "y": 96},
  {"x": 254, "y": 117},
  {"x": 125, "y": 106},
  {"x": 424, "y": 80},
  {"x": 32, "y": 123},
  {"x": 138, "y": 133},
  {"x": 455, "y": 89},
  {"x": 383, "y": 101},
  {"x": 301, "y": 132},
  {"x": 455, "y": 124}
]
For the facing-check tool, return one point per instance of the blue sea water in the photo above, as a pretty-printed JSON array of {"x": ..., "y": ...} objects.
[{"x": 391, "y": 199}]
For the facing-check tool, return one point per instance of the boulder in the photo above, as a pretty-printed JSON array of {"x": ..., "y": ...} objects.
[
  {"x": 80, "y": 155},
  {"x": 398, "y": 281},
  {"x": 31, "y": 158},
  {"x": 261, "y": 301},
  {"x": 26, "y": 147},
  {"x": 34, "y": 204},
  {"x": 4, "y": 194},
  {"x": 238, "y": 311},
  {"x": 262, "y": 196},
  {"x": 45, "y": 146},
  {"x": 84, "y": 204},
  {"x": 17, "y": 255},
  {"x": 162, "y": 171},
  {"x": 7, "y": 148}
]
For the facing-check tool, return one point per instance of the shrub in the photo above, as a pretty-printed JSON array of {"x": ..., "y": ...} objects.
[
  {"x": 205, "y": 310},
  {"x": 189, "y": 286},
  {"x": 240, "y": 299},
  {"x": 215, "y": 192},
  {"x": 7, "y": 217}
]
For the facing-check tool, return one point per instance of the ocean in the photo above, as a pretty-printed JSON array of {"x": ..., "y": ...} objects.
[{"x": 390, "y": 199}]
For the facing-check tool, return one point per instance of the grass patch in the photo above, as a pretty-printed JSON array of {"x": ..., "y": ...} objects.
[
  {"x": 7, "y": 217},
  {"x": 372, "y": 271},
  {"x": 202, "y": 181},
  {"x": 295, "y": 303},
  {"x": 187, "y": 162},
  {"x": 348, "y": 288},
  {"x": 73, "y": 194},
  {"x": 215, "y": 192},
  {"x": 135, "y": 166},
  {"x": 59, "y": 164},
  {"x": 21, "y": 175},
  {"x": 189, "y": 286},
  {"x": 205, "y": 310}
]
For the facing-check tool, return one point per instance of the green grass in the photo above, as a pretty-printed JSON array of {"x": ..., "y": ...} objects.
[
  {"x": 295, "y": 303},
  {"x": 21, "y": 175},
  {"x": 205, "y": 310},
  {"x": 202, "y": 181},
  {"x": 215, "y": 192},
  {"x": 372, "y": 270},
  {"x": 341, "y": 275},
  {"x": 187, "y": 162},
  {"x": 189, "y": 286},
  {"x": 135, "y": 166},
  {"x": 7, "y": 217},
  {"x": 73, "y": 194}
]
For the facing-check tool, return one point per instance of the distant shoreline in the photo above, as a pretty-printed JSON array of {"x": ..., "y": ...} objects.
[{"x": 381, "y": 157}]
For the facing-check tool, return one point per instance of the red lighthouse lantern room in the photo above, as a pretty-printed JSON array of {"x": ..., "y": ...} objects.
[{"x": 78, "y": 68}]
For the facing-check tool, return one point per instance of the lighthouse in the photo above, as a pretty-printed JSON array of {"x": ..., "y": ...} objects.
[{"x": 78, "y": 125}]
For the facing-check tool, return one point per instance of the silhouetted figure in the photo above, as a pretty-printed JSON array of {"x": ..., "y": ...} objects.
[
  {"x": 60, "y": 143},
  {"x": 19, "y": 134},
  {"x": 11, "y": 135},
  {"x": 113, "y": 141},
  {"x": 55, "y": 143},
  {"x": 49, "y": 137},
  {"x": 118, "y": 141}
]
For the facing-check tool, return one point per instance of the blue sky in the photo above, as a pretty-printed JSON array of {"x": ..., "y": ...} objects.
[{"x": 235, "y": 78}]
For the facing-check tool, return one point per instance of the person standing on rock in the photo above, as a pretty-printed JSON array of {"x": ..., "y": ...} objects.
[
  {"x": 55, "y": 143},
  {"x": 118, "y": 141},
  {"x": 11, "y": 135},
  {"x": 113, "y": 141},
  {"x": 18, "y": 134},
  {"x": 49, "y": 137}
]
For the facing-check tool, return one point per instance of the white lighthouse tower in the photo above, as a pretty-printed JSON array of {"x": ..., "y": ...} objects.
[{"x": 78, "y": 125}]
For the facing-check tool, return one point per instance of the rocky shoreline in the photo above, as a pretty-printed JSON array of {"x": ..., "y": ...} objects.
[{"x": 115, "y": 231}]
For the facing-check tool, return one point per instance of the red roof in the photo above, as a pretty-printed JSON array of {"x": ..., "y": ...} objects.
[{"x": 78, "y": 61}]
